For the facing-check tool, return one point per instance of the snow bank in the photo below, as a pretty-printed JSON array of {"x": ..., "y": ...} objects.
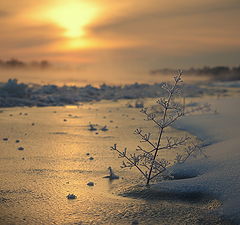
[
  {"x": 218, "y": 175},
  {"x": 14, "y": 94}
]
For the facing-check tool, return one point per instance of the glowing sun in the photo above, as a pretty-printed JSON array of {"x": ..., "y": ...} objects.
[{"x": 73, "y": 17}]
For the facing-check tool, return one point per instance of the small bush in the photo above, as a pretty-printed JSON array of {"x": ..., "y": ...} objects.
[{"x": 149, "y": 162}]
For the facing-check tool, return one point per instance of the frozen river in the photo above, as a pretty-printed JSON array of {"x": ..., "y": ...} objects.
[{"x": 55, "y": 161}]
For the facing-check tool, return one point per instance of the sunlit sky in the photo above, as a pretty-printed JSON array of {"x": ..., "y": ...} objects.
[{"x": 130, "y": 34}]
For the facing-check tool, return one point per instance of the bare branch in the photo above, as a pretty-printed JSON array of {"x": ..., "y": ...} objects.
[
  {"x": 147, "y": 161},
  {"x": 189, "y": 151},
  {"x": 146, "y": 138},
  {"x": 175, "y": 142},
  {"x": 130, "y": 162}
]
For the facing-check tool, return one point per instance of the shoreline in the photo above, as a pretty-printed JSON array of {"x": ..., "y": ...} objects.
[{"x": 13, "y": 94}]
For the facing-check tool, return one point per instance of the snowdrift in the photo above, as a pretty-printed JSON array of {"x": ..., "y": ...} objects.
[{"x": 218, "y": 174}]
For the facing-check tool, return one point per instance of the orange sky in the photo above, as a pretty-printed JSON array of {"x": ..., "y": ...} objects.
[{"x": 132, "y": 34}]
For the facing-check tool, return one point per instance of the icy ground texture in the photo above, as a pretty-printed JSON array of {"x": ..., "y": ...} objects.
[
  {"x": 218, "y": 175},
  {"x": 56, "y": 162}
]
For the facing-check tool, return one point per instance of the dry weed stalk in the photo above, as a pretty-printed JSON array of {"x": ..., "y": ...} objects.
[{"x": 147, "y": 161}]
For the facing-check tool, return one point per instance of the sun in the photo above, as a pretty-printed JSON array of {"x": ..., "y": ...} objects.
[{"x": 73, "y": 17}]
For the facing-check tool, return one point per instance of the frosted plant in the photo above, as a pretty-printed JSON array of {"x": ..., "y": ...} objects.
[{"x": 147, "y": 160}]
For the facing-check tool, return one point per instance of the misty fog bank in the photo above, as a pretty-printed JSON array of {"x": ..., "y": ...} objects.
[
  {"x": 216, "y": 73},
  {"x": 90, "y": 75},
  {"x": 112, "y": 73},
  {"x": 44, "y": 72}
]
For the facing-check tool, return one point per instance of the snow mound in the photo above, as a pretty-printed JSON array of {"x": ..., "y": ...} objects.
[{"x": 218, "y": 174}]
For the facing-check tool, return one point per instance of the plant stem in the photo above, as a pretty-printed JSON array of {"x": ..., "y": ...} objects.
[{"x": 161, "y": 132}]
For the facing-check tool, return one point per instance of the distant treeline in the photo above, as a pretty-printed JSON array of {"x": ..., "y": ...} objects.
[
  {"x": 215, "y": 73},
  {"x": 15, "y": 63}
]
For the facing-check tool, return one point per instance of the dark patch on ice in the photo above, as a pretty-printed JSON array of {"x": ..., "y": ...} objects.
[
  {"x": 183, "y": 176},
  {"x": 148, "y": 194}
]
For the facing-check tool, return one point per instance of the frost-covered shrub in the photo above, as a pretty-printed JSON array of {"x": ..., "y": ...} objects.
[{"x": 148, "y": 161}]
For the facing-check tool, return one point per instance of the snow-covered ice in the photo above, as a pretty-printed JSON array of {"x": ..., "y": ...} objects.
[{"x": 218, "y": 174}]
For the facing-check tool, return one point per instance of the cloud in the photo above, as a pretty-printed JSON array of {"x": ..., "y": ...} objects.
[
  {"x": 180, "y": 28},
  {"x": 162, "y": 10},
  {"x": 29, "y": 36}
]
